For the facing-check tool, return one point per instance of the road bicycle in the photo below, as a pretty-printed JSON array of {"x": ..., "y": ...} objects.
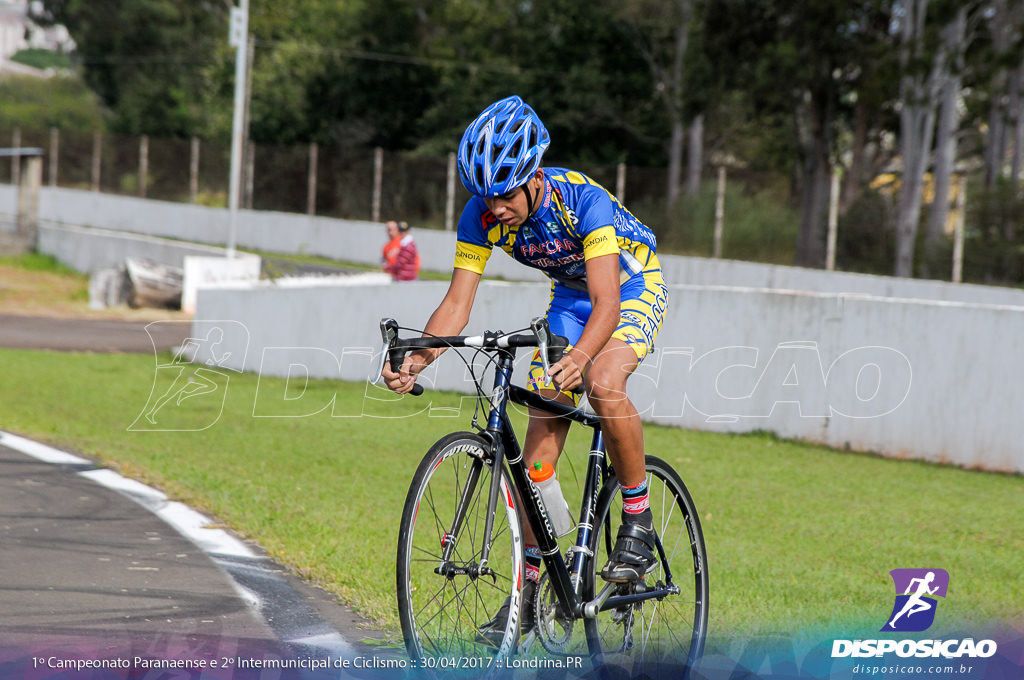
[{"x": 460, "y": 547}]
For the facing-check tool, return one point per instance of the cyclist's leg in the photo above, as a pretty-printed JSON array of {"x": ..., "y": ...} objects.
[
  {"x": 623, "y": 433},
  {"x": 545, "y": 438},
  {"x": 642, "y": 308},
  {"x": 635, "y": 552}
]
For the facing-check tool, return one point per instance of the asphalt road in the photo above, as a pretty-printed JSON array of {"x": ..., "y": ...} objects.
[
  {"x": 88, "y": 335},
  {"x": 97, "y": 567}
]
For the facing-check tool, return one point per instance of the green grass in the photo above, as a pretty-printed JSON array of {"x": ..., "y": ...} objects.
[
  {"x": 287, "y": 259},
  {"x": 37, "y": 262},
  {"x": 799, "y": 537}
]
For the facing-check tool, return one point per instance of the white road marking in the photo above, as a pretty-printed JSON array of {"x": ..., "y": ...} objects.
[{"x": 218, "y": 544}]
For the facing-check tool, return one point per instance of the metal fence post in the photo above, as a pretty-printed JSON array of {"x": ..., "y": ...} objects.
[
  {"x": 719, "y": 213},
  {"x": 833, "y": 221},
  {"x": 958, "y": 239},
  {"x": 193, "y": 171},
  {"x": 143, "y": 164},
  {"x": 449, "y": 203},
  {"x": 97, "y": 159},
  {"x": 378, "y": 174},
  {"x": 54, "y": 154},
  {"x": 314, "y": 157},
  {"x": 620, "y": 183}
]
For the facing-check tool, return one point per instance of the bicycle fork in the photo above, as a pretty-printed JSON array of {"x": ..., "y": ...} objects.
[{"x": 496, "y": 420}]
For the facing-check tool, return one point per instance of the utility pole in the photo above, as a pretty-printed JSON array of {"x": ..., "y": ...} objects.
[{"x": 238, "y": 37}]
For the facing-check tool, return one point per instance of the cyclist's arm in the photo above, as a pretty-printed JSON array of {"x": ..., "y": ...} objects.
[
  {"x": 452, "y": 315},
  {"x": 450, "y": 318}
]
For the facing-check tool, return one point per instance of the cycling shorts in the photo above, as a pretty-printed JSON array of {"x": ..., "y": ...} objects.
[{"x": 643, "y": 300}]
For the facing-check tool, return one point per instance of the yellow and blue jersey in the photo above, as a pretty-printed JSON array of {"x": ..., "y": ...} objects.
[{"x": 577, "y": 219}]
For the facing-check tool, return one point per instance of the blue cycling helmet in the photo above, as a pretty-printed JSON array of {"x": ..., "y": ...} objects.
[{"x": 502, "y": 148}]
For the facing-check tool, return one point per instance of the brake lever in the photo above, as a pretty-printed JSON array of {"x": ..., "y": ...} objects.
[
  {"x": 541, "y": 329},
  {"x": 388, "y": 333}
]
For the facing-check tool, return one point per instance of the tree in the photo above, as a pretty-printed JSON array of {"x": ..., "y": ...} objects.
[
  {"x": 660, "y": 30},
  {"x": 59, "y": 102},
  {"x": 801, "y": 60},
  {"x": 294, "y": 43},
  {"x": 148, "y": 60},
  {"x": 931, "y": 38},
  {"x": 954, "y": 41}
]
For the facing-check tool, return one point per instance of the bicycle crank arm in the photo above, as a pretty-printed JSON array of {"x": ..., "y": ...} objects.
[
  {"x": 659, "y": 592},
  {"x": 591, "y": 609},
  {"x": 604, "y": 601}
]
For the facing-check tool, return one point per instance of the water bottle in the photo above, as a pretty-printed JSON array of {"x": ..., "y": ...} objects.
[{"x": 543, "y": 477}]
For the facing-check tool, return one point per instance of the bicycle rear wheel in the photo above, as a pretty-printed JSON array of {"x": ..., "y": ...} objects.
[
  {"x": 443, "y": 596},
  {"x": 656, "y": 636}
]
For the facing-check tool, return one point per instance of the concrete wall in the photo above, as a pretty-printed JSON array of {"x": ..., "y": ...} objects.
[
  {"x": 705, "y": 271},
  {"x": 920, "y": 379},
  {"x": 88, "y": 249}
]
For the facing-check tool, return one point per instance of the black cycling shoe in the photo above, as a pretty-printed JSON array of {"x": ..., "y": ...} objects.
[
  {"x": 493, "y": 631},
  {"x": 633, "y": 555}
]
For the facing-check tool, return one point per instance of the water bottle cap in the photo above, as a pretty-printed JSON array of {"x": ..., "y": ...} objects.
[{"x": 541, "y": 471}]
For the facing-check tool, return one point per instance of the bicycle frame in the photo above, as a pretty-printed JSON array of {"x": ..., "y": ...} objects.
[{"x": 565, "y": 580}]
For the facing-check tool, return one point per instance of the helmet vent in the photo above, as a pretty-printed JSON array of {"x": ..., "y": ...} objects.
[{"x": 502, "y": 175}]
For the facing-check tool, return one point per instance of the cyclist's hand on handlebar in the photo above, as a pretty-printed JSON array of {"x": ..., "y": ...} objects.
[
  {"x": 402, "y": 381},
  {"x": 567, "y": 372}
]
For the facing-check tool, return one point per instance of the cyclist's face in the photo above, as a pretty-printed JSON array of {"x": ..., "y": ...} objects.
[{"x": 513, "y": 208}]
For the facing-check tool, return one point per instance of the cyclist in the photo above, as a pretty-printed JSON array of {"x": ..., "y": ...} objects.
[{"x": 607, "y": 297}]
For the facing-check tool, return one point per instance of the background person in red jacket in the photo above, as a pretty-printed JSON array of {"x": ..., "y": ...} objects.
[{"x": 401, "y": 259}]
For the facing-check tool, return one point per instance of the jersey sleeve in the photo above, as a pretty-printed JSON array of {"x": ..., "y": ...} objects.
[
  {"x": 473, "y": 248},
  {"x": 601, "y": 241},
  {"x": 596, "y": 214}
]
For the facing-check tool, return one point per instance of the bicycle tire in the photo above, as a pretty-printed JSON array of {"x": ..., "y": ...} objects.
[
  {"x": 441, "y": 614},
  {"x": 654, "y": 637}
]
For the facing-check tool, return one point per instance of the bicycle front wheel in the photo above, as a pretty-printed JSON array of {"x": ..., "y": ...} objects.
[
  {"x": 660, "y": 636},
  {"x": 446, "y": 593}
]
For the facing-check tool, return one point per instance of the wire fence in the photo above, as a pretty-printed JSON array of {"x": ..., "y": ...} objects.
[
  {"x": 350, "y": 183},
  {"x": 372, "y": 184},
  {"x": 751, "y": 217}
]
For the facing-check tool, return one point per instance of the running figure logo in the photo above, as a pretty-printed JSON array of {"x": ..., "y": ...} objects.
[
  {"x": 916, "y": 593},
  {"x": 198, "y": 373}
]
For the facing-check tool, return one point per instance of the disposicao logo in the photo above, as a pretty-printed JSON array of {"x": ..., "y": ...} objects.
[
  {"x": 917, "y": 591},
  {"x": 913, "y": 611}
]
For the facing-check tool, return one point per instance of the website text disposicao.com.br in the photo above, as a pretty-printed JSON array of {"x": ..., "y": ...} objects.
[
  {"x": 901, "y": 670},
  {"x": 911, "y": 655}
]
